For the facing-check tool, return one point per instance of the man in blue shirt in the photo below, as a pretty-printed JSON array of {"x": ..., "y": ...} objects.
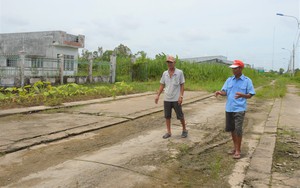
[{"x": 237, "y": 89}]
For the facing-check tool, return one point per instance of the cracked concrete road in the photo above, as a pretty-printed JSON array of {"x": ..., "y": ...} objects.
[
  {"x": 131, "y": 153},
  {"x": 25, "y": 130}
]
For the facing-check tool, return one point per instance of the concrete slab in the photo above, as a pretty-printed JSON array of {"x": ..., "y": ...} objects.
[
  {"x": 27, "y": 129},
  {"x": 253, "y": 177},
  {"x": 131, "y": 108}
]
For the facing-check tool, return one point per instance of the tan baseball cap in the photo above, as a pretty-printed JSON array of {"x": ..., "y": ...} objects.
[{"x": 170, "y": 59}]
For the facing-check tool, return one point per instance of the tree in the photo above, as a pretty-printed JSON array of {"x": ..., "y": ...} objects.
[
  {"x": 123, "y": 51},
  {"x": 106, "y": 55},
  {"x": 95, "y": 54},
  {"x": 84, "y": 55},
  {"x": 120, "y": 51},
  {"x": 100, "y": 51},
  {"x": 141, "y": 54},
  {"x": 281, "y": 70},
  {"x": 161, "y": 56}
]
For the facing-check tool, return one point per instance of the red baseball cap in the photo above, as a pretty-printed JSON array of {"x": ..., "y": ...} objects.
[{"x": 237, "y": 63}]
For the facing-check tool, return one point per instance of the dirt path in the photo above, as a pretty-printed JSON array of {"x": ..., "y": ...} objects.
[{"x": 133, "y": 154}]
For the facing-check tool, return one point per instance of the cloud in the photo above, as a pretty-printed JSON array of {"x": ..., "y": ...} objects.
[
  {"x": 194, "y": 35},
  {"x": 238, "y": 30},
  {"x": 11, "y": 21},
  {"x": 117, "y": 28},
  {"x": 187, "y": 28}
]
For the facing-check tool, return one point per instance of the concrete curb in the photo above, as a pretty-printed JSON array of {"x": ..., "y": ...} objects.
[{"x": 66, "y": 105}]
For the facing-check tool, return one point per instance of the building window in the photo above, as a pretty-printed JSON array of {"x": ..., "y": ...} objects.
[
  {"x": 68, "y": 62},
  {"x": 37, "y": 63},
  {"x": 11, "y": 62}
]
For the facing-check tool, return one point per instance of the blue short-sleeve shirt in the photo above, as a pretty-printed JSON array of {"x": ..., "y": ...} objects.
[{"x": 233, "y": 85}]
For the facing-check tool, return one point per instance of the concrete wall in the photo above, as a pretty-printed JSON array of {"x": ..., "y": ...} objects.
[
  {"x": 23, "y": 74},
  {"x": 14, "y": 81}
]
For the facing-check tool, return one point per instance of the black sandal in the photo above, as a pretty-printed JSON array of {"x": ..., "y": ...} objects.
[
  {"x": 167, "y": 135},
  {"x": 184, "y": 134}
]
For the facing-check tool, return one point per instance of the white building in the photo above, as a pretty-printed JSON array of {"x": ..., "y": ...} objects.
[{"x": 42, "y": 51}]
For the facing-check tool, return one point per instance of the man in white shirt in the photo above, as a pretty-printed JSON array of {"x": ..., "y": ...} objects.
[{"x": 172, "y": 81}]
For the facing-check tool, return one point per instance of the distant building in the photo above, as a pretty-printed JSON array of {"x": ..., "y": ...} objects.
[
  {"x": 260, "y": 69},
  {"x": 215, "y": 59},
  {"x": 42, "y": 51}
]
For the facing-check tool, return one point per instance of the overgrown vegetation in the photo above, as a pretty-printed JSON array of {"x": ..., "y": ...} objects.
[
  {"x": 43, "y": 93},
  {"x": 209, "y": 77},
  {"x": 137, "y": 73}
]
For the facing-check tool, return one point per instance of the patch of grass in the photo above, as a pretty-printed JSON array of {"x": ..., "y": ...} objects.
[
  {"x": 189, "y": 85},
  {"x": 139, "y": 87},
  {"x": 287, "y": 133},
  {"x": 297, "y": 84},
  {"x": 208, "y": 169},
  {"x": 210, "y": 86},
  {"x": 53, "y": 102},
  {"x": 183, "y": 148},
  {"x": 276, "y": 90},
  {"x": 286, "y": 154},
  {"x": 215, "y": 167}
]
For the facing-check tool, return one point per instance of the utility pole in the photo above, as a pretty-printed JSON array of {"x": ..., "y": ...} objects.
[
  {"x": 295, "y": 45},
  {"x": 293, "y": 64}
]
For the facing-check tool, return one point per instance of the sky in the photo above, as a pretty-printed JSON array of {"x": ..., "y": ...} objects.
[{"x": 248, "y": 30}]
